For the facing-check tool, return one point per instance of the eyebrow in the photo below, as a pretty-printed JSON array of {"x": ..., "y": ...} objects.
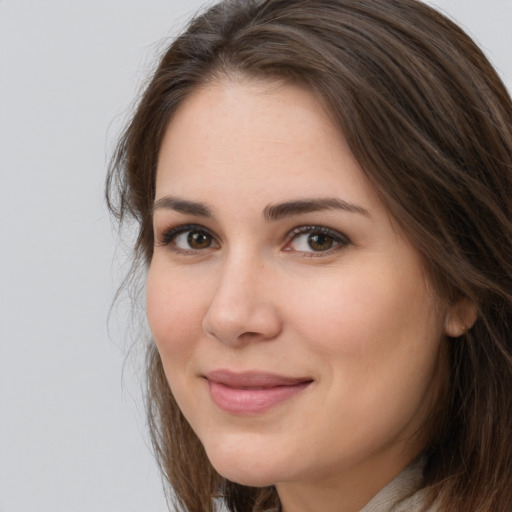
[
  {"x": 183, "y": 206},
  {"x": 271, "y": 212},
  {"x": 278, "y": 211}
]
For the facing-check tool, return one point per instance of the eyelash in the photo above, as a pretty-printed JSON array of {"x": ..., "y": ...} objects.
[
  {"x": 170, "y": 235},
  {"x": 340, "y": 240}
]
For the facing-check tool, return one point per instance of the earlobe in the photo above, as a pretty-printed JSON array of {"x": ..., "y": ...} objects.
[{"x": 460, "y": 317}]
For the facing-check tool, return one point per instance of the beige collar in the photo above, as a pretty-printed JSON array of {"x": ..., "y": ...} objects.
[{"x": 403, "y": 494}]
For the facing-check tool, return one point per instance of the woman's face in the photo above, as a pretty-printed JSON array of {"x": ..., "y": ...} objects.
[{"x": 297, "y": 329}]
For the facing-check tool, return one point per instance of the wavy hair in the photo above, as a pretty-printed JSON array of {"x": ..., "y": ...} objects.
[{"x": 430, "y": 123}]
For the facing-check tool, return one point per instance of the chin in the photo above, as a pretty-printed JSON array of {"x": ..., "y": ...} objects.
[
  {"x": 246, "y": 476},
  {"x": 246, "y": 470}
]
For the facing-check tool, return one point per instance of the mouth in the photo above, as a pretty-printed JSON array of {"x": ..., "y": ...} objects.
[{"x": 250, "y": 393}]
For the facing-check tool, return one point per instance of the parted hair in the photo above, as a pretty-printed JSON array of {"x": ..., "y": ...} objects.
[{"x": 430, "y": 123}]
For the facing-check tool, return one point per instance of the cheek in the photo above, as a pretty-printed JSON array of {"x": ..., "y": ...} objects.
[
  {"x": 370, "y": 320},
  {"x": 174, "y": 313},
  {"x": 377, "y": 342}
]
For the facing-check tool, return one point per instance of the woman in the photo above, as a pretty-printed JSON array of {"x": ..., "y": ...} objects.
[{"x": 323, "y": 196}]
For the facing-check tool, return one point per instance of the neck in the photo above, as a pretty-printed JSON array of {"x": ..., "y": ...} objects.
[{"x": 348, "y": 491}]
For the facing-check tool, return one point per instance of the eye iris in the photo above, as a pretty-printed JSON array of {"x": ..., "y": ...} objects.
[
  {"x": 198, "y": 240},
  {"x": 320, "y": 242}
]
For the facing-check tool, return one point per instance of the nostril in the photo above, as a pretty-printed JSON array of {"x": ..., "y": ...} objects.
[{"x": 242, "y": 325}]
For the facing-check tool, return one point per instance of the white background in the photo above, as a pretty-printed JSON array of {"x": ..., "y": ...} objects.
[{"x": 71, "y": 434}]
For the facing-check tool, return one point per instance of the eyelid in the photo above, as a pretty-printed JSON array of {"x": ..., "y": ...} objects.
[
  {"x": 341, "y": 239},
  {"x": 166, "y": 236}
]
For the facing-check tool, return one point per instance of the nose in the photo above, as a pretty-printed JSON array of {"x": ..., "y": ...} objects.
[{"x": 242, "y": 309}]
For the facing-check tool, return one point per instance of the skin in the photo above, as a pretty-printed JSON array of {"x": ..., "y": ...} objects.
[{"x": 360, "y": 319}]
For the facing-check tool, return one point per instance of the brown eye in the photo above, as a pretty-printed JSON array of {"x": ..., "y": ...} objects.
[
  {"x": 316, "y": 239},
  {"x": 188, "y": 239},
  {"x": 199, "y": 240},
  {"x": 320, "y": 242}
]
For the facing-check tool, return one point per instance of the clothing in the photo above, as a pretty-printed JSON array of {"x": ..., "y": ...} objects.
[{"x": 403, "y": 494}]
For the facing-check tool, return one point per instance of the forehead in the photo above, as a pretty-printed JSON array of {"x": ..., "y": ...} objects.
[
  {"x": 244, "y": 114},
  {"x": 271, "y": 138}
]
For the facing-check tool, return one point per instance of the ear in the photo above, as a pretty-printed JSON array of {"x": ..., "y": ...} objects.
[{"x": 460, "y": 317}]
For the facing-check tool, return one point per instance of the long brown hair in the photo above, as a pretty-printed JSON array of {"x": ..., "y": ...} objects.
[{"x": 430, "y": 122}]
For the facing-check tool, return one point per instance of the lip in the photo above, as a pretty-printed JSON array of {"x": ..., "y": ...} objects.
[{"x": 252, "y": 392}]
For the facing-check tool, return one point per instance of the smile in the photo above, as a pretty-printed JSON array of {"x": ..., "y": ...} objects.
[{"x": 252, "y": 392}]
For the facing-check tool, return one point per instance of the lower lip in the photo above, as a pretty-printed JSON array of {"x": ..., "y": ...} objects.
[{"x": 253, "y": 400}]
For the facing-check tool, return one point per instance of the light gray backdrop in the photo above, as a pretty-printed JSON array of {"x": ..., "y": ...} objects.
[{"x": 71, "y": 436}]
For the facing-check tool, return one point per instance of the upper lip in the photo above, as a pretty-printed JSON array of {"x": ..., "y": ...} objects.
[{"x": 253, "y": 379}]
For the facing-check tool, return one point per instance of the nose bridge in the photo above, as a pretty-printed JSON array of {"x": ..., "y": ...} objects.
[{"x": 241, "y": 307}]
